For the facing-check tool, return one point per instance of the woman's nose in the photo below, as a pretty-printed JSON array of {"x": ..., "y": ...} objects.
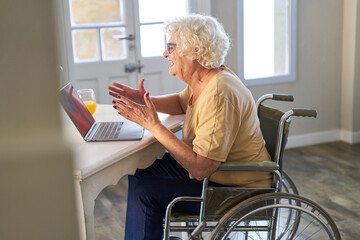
[{"x": 166, "y": 54}]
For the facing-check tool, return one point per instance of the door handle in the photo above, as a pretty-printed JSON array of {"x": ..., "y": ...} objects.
[
  {"x": 139, "y": 67},
  {"x": 131, "y": 37},
  {"x": 132, "y": 67}
]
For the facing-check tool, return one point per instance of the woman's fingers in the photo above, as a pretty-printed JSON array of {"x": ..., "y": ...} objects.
[
  {"x": 144, "y": 115},
  {"x": 114, "y": 94},
  {"x": 141, "y": 85},
  {"x": 127, "y": 101},
  {"x": 122, "y": 112},
  {"x": 115, "y": 89},
  {"x": 123, "y": 109},
  {"x": 135, "y": 95},
  {"x": 148, "y": 101},
  {"x": 129, "y": 110},
  {"x": 121, "y": 86}
]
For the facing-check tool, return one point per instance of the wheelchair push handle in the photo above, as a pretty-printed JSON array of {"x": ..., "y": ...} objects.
[
  {"x": 304, "y": 112},
  {"x": 282, "y": 97},
  {"x": 274, "y": 96}
]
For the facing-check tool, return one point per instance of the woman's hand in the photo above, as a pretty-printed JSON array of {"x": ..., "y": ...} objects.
[
  {"x": 134, "y": 95},
  {"x": 143, "y": 114}
]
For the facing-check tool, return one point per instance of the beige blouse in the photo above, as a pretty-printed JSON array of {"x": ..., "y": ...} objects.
[{"x": 222, "y": 125}]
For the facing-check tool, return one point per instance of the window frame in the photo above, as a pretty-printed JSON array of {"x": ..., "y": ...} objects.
[
  {"x": 203, "y": 6},
  {"x": 291, "y": 76},
  {"x": 97, "y": 27}
]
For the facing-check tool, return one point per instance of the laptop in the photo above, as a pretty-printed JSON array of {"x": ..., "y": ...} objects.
[{"x": 91, "y": 130}]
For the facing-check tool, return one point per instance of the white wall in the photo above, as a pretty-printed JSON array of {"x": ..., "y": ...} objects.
[{"x": 319, "y": 69}]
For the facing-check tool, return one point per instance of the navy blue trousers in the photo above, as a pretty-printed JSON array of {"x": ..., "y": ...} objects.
[{"x": 151, "y": 190}]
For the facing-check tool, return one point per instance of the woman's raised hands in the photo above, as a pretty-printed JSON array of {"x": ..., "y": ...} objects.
[
  {"x": 144, "y": 115},
  {"x": 135, "y": 95}
]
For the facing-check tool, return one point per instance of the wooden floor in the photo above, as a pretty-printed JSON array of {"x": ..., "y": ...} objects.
[{"x": 328, "y": 174}]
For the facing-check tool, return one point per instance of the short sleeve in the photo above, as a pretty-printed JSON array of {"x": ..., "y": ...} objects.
[{"x": 218, "y": 126}]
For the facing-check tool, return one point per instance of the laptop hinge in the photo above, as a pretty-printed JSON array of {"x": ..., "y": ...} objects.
[{"x": 91, "y": 132}]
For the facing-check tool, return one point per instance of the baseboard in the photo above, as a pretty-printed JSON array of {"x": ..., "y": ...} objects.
[
  {"x": 323, "y": 137},
  {"x": 356, "y": 137},
  {"x": 313, "y": 138},
  {"x": 350, "y": 137}
]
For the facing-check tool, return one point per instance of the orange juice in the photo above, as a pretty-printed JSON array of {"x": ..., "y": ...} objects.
[{"x": 91, "y": 106}]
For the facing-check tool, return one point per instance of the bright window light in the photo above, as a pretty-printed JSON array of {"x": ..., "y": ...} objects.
[
  {"x": 258, "y": 38},
  {"x": 267, "y": 41}
]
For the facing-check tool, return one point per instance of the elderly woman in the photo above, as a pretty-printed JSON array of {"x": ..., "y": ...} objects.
[{"x": 221, "y": 125}]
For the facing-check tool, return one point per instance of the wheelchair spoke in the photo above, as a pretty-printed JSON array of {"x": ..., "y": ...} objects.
[
  {"x": 277, "y": 216},
  {"x": 309, "y": 225},
  {"x": 289, "y": 228}
]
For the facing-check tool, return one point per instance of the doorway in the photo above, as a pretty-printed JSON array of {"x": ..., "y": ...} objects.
[{"x": 103, "y": 41}]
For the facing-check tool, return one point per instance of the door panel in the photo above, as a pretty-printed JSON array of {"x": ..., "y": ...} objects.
[
  {"x": 119, "y": 42},
  {"x": 113, "y": 53},
  {"x": 157, "y": 78},
  {"x": 152, "y": 40}
]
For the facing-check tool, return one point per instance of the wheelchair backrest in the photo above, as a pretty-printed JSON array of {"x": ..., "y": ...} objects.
[{"x": 269, "y": 123}]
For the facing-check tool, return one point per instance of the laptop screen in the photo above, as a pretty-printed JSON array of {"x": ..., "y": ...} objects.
[{"x": 76, "y": 109}]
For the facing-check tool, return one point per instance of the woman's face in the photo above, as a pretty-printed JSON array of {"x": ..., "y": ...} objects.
[{"x": 180, "y": 66}]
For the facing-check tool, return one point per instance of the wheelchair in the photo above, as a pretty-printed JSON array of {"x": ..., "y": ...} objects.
[{"x": 272, "y": 213}]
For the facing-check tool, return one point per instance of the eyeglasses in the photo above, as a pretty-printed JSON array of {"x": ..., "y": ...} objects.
[{"x": 170, "y": 47}]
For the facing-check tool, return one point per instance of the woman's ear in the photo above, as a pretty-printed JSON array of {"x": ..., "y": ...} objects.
[{"x": 195, "y": 55}]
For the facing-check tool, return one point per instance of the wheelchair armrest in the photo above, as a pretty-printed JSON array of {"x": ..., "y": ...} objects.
[{"x": 259, "y": 166}]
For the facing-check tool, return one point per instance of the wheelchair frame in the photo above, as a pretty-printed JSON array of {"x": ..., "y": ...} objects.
[{"x": 289, "y": 202}]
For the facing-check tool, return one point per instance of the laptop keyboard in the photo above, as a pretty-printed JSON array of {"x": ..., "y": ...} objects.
[{"x": 108, "y": 130}]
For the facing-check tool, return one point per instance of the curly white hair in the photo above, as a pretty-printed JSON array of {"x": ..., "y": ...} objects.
[{"x": 202, "y": 35}]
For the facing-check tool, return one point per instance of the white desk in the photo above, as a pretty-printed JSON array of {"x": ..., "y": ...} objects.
[{"x": 100, "y": 164}]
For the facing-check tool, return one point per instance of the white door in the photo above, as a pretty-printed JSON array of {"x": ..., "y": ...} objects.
[{"x": 119, "y": 40}]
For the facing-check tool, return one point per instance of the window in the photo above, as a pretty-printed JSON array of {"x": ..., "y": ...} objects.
[
  {"x": 94, "y": 23},
  {"x": 99, "y": 28},
  {"x": 267, "y": 41},
  {"x": 152, "y": 23}
]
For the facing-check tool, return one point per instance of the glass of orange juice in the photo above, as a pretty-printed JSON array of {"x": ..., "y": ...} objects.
[{"x": 88, "y": 97}]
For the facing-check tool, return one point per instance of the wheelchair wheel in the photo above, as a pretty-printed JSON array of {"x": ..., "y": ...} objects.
[
  {"x": 175, "y": 238},
  {"x": 276, "y": 216},
  {"x": 288, "y": 185}
]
